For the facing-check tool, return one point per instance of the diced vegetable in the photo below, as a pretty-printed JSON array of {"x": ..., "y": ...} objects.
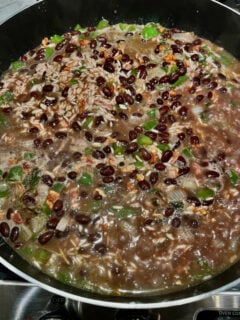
[
  {"x": 38, "y": 222},
  {"x": 149, "y": 32},
  {"x": 45, "y": 209},
  {"x": 87, "y": 122},
  {"x": 152, "y": 113},
  {"x": 16, "y": 65},
  {"x": 163, "y": 147},
  {"x": 123, "y": 26},
  {"x": 102, "y": 24},
  {"x": 56, "y": 39},
  {"x": 233, "y": 176},
  {"x": 86, "y": 179},
  {"x": 205, "y": 193},
  {"x": 138, "y": 164},
  {"x": 15, "y": 174},
  {"x": 49, "y": 52},
  {"x": 3, "y": 121},
  {"x": 64, "y": 277},
  {"x": 4, "y": 189},
  {"x": 178, "y": 205},
  {"x": 142, "y": 140},
  {"x": 6, "y": 97},
  {"x": 181, "y": 80},
  {"x": 118, "y": 149},
  {"x": 187, "y": 152},
  {"x": 150, "y": 124},
  {"x": 58, "y": 187},
  {"x": 88, "y": 151},
  {"x": 125, "y": 211},
  {"x": 29, "y": 156},
  {"x": 226, "y": 61},
  {"x": 32, "y": 179},
  {"x": 233, "y": 104},
  {"x": 72, "y": 82},
  {"x": 42, "y": 255}
]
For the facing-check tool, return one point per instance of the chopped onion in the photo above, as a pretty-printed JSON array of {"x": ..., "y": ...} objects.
[
  {"x": 183, "y": 36},
  {"x": 188, "y": 182},
  {"x": 197, "y": 110},
  {"x": 177, "y": 195},
  {"x": 62, "y": 224}
]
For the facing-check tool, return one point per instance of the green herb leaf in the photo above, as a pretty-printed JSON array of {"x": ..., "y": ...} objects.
[
  {"x": 87, "y": 122},
  {"x": 56, "y": 39},
  {"x": 134, "y": 72},
  {"x": 181, "y": 80},
  {"x": 45, "y": 209},
  {"x": 85, "y": 180},
  {"x": 58, "y": 187},
  {"x": 163, "y": 147},
  {"x": 233, "y": 104},
  {"x": 143, "y": 140},
  {"x": 226, "y": 60},
  {"x": 123, "y": 26},
  {"x": 78, "y": 27},
  {"x": 32, "y": 179},
  {"x": 3, "y": 121},
  {"x": 205, "y": 193},
  {"x": 138, "y": 164},
  {"x": 49, "y": 52},
  {"x": 4, "y": 190},
  {"x": 118, "y": 149},
  {"x": 6, "y": 97},
  {"x": 132, "y": 28},
  {"x": 29, "y": 156},
  {"x": 204, "y": 117},
  {"x": 150, "y": 124},
  {"x": 102, "y": 24},
  {"x": 72, "y": 82},
  {"x": 177, "y": 205},
  {"x": 187, "y": 152},
  {"x": 42, "y": 255},
  {"x": 125, "y": 212},
  {"x": 233, "y": 176},
  {"x": 15, "y": 174},
  {"x": 33, "y": 81},
  {"x": 16, "y": 65},
  {"x": 149, "y": 32},
  {"x": 152, "y": 113}
]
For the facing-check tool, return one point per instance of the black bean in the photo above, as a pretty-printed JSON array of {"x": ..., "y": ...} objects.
[
  {"x": 195, "y": 57},
  {"x": 9, "y": 213},
  {"x": 29, "y": 201},
  {"x": 88, "y": 136},
  {"x": 58, "y": 58},
  {"x": 107, "y": 149},
  {"x": 194, "y": 200},
  {"x": 207, "y": 202},
  {"x": 4, "y": 229},
  {"x": 107, "y": 92},
  {"x": 138, "y": 97},
  {"x": 61, "y": 135},
  {"x": 46, "y": 179},
  {"x": 62, "y": 234},
  {"x": 138, "y": 129},
  {"x": 65, "y": 92},
  {"x": 43, "y": 118},
  {"x": 58, "y": 205},
  {"x": 170, "y": 181},
  {"x": 46, "y": 143},
  {"x": 176, "y": 222},
  {"x": 107, "y": 171},
  {"x": 151, "y": 134},
  {"x": 98, "y": 154},
  {"x": 72, "y": 175},
  {"x": 161, "y": 127},
  {"x": 194, "y": 140},
  {"x": 82, "y": 218},
  {"x": 132, "y": 135},
  {"x": 193, "y": 223},
  {"x": 93, "y": 44},
  {"x": 145, "y": 154},
  {"x": 181, "y": 160},
  {"x": 53, "y": 123},
  {"x": 142, "y": 72},
  {"x": 128, "y": 98},
  {"x": 108, "y": 67},
  {"x": 212, "y": 174},
  {"x": 181, "y": 136},
  {"x": 199, "y": 97},
  {"x": 144, "y": 185},
  {"x": 37, "y": 142},
  {"x": 166, "y": 156},
  {"x": 168, "y": 212},
  {"x": 183, "y": 111},
  {"x": 192, "y": 90},
  {"x": 45, "y": 237},
  {"x": 131, "y": 147},
  {"x": 14, "y": 234},
  {"x": 52, "y": 223},
  {"x": 153, "y": 178},
  {"x": 70, "y": 48},
  {"x": 76, "y": 126},
  {"x": 100, "y": 248},
  {"x": 163, "y": 110},
  {"x": 108, "y": 179},
  {"x": 176, "y": 49},
  {"x": 183, "y": 171},
  {"x": 97, "y": 196},
  {"x": 33, "y": 130},
  {"x": 160, "y": 166},
  {"x": 100, "y": 81},
  {"x": 119, "y": 99},
  {"x": 123, "y": 115},
  {"x": 93, "y": 237},
  {"x": 47, "y": 88}
]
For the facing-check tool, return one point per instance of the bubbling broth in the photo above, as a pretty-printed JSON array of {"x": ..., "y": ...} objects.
[{"x": 119, "y": 166}]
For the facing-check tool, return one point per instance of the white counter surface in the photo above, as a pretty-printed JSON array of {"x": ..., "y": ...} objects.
[{"x": 8, "y": 8}]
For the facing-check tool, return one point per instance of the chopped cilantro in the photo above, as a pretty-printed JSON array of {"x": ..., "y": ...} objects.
[
  {"x": 16, "y": 65},
  {"x": 233, "y": 176},
  {"x": 6, "y": 97},
  {"x": 149, "y": 32},
  {"x": 15, "y": 174}
]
